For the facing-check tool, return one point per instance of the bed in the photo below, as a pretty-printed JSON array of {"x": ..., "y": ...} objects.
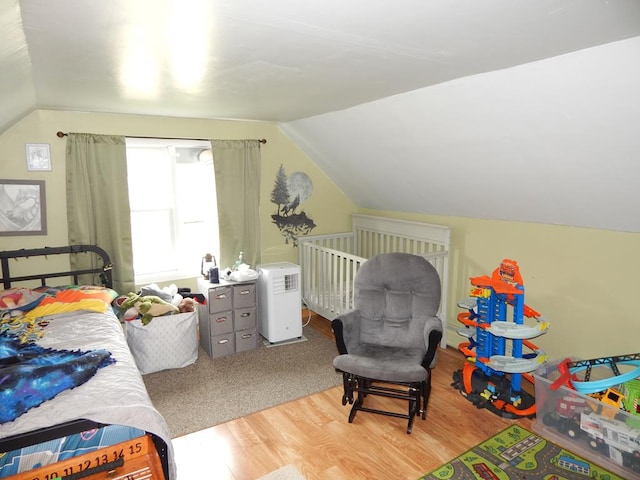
[
  {"x": 101, "y": 426},
  {"x": 328, "y": 263}
]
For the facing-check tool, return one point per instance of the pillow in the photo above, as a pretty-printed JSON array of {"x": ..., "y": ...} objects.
[
  {"x": 71, "y": 293},
  {"x": 19, "y": 299},
  {"x": 27, "y": 324}
]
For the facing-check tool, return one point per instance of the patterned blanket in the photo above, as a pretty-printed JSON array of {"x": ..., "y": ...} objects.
[
  {"x": 22, "y": 310},
  {"x": 30, "y": 374}
]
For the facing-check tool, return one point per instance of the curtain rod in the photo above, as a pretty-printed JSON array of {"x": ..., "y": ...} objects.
[{"x": 62, "y": 134}]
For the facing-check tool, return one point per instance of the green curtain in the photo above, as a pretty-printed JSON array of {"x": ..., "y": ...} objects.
[
  {"x": 237, "y": 167},
  {"x": 98, "y": 204}
]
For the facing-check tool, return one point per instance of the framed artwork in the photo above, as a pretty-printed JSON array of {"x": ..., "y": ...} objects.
[
  {"x": 38, "y": 157},
  {"x": 23, "y": 207}
]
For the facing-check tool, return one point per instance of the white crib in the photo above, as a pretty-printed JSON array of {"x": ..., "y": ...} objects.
[{"x": 329, "y": 262}]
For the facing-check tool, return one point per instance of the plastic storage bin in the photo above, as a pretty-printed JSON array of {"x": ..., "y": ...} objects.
[{"x": 586, "y": 426}]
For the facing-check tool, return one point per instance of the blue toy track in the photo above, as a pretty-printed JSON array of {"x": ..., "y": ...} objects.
[{"x": 587, "y": 385}]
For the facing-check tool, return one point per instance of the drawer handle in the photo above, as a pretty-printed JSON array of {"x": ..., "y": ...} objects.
[
  {"x": 247, "y": 335},
  {"x": 245, "y": 292},
  {"x": 222, "y": 342},
  {"x": 221, "y": 296},
  {"x": 246, "y": 314},
  {"x": 221, "y": 319}
]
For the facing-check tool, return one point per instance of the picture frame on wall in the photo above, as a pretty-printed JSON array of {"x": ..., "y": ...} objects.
[
  {"x": 38, "y": 157},
  {"x": 23, "y": 207}
]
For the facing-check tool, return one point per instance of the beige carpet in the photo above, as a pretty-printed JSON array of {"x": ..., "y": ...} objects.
[
  {"x": 211, "y": 392},
  {"x": 288, "y": 472}
]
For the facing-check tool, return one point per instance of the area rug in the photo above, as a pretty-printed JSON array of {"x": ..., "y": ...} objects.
[
  {"x": 517, "y": 453},
  {"x": 288, "y": 472},
  {"x": 214, "y": 391}
]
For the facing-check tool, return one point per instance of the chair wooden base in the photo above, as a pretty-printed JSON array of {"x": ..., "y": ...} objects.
[{"x": 416, "y": 394}]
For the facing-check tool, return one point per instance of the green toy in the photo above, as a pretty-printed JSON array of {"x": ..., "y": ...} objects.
[
  {"x": 146, "y": 307},
  {"x": 631, "y": 400}
]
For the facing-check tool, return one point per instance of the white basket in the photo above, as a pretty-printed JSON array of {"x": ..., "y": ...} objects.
[{"x": 169, "y": 341}]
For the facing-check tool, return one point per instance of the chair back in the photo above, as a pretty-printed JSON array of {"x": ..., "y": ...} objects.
[{"x": 396, "y": 294}]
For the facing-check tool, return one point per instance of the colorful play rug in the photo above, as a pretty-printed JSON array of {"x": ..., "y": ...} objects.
[{"x": 516, "y": 453}]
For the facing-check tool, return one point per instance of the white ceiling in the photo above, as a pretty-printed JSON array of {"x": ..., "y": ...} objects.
[
  {"x": 310, "y": 64},
  {"x": 277, "y": 60}
]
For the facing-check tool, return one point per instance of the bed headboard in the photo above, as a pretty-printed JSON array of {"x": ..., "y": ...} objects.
[{"x": 104, "y": 271}]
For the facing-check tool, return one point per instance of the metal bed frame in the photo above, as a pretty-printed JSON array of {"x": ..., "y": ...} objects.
[{"x": 103, "y": 271}]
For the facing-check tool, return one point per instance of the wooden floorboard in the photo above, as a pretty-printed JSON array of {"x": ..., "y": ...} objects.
[{"x": 313, "y": 434}]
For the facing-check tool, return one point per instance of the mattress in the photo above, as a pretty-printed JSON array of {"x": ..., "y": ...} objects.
[{"x": 114, "y": 395}]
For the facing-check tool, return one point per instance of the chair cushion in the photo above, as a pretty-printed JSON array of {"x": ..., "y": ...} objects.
[
  {"x": 410, "y": 286},
  {"x": 392, "y": 318},
  {"x": 384, "y": 363},
  {"x": 396, "y": 294}
]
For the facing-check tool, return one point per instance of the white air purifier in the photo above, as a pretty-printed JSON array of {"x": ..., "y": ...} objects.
[{"x": 279, "y": 302}]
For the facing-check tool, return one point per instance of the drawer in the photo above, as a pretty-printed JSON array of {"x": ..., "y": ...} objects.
[
  {"x": 246, "y": 340},
  {"x": 220, "y": 299},
  {"x": 220, "y": 322},
  {"x": 222, "y": 345},
  {"x": 244, "y": 318},
  {"x": 244, "y": 295}
]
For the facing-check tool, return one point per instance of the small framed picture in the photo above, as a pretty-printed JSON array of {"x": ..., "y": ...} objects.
[
  {"x": 38, "y": 157},
  {"x": 23, "y": 209}
]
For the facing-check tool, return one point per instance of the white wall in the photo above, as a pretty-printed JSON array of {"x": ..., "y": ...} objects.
[{"x": 554, "y": 142}]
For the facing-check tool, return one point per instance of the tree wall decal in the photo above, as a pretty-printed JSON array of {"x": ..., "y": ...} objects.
[{"x": 291, "y": 224}]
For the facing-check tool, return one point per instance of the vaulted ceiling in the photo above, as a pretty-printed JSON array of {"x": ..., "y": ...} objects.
[{"x": 507, "y": 109}]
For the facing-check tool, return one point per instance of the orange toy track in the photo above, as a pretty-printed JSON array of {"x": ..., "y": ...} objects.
[
  {"x": 499, "y": 286},
  {"x": 468, "y": 368},
  {"x": 492, "y": 375}
]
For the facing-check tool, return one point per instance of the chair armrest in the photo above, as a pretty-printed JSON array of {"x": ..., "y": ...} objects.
[
  {"x": 345, "y": 328},
  {"x": 432, "y": 336}
]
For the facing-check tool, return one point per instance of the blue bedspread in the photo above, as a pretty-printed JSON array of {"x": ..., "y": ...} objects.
[{"x": 30, "y": 374}]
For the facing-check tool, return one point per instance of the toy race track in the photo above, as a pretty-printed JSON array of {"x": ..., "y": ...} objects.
[
  {"x": 495, "y": 351},
  {"x": 615, "y": 375}
]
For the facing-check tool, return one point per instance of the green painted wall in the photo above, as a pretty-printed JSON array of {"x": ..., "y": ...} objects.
[
  {"x": 328, "y": 207},
  {"x": 584, "y": 281}
]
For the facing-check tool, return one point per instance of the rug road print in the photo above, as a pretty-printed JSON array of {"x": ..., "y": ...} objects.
[{"x": 516, "y": 453}]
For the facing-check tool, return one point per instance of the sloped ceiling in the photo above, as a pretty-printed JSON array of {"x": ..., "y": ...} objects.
[
  {"x": 508, "y": 109},
  {"x": 553, "y": 142}
]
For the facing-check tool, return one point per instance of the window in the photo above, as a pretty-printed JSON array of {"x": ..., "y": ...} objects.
[{"x": 174, "y": 220}]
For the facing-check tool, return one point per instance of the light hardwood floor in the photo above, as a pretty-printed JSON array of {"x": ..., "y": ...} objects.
[{"x": 313, "y": 434}]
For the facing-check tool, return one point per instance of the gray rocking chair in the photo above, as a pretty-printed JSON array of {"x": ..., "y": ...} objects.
[{"x": 388, "y": 342}]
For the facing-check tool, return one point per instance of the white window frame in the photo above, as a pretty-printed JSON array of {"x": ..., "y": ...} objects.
[{"x": 185, "y": 265}]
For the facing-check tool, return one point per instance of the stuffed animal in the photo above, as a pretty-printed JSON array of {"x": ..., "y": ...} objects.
[
  {"x": 147, "y": 307},
  {"x": 187, "y": 305}
]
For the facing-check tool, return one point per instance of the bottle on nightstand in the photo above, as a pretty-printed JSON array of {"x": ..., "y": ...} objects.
[{"x": 239, "y": 261}]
